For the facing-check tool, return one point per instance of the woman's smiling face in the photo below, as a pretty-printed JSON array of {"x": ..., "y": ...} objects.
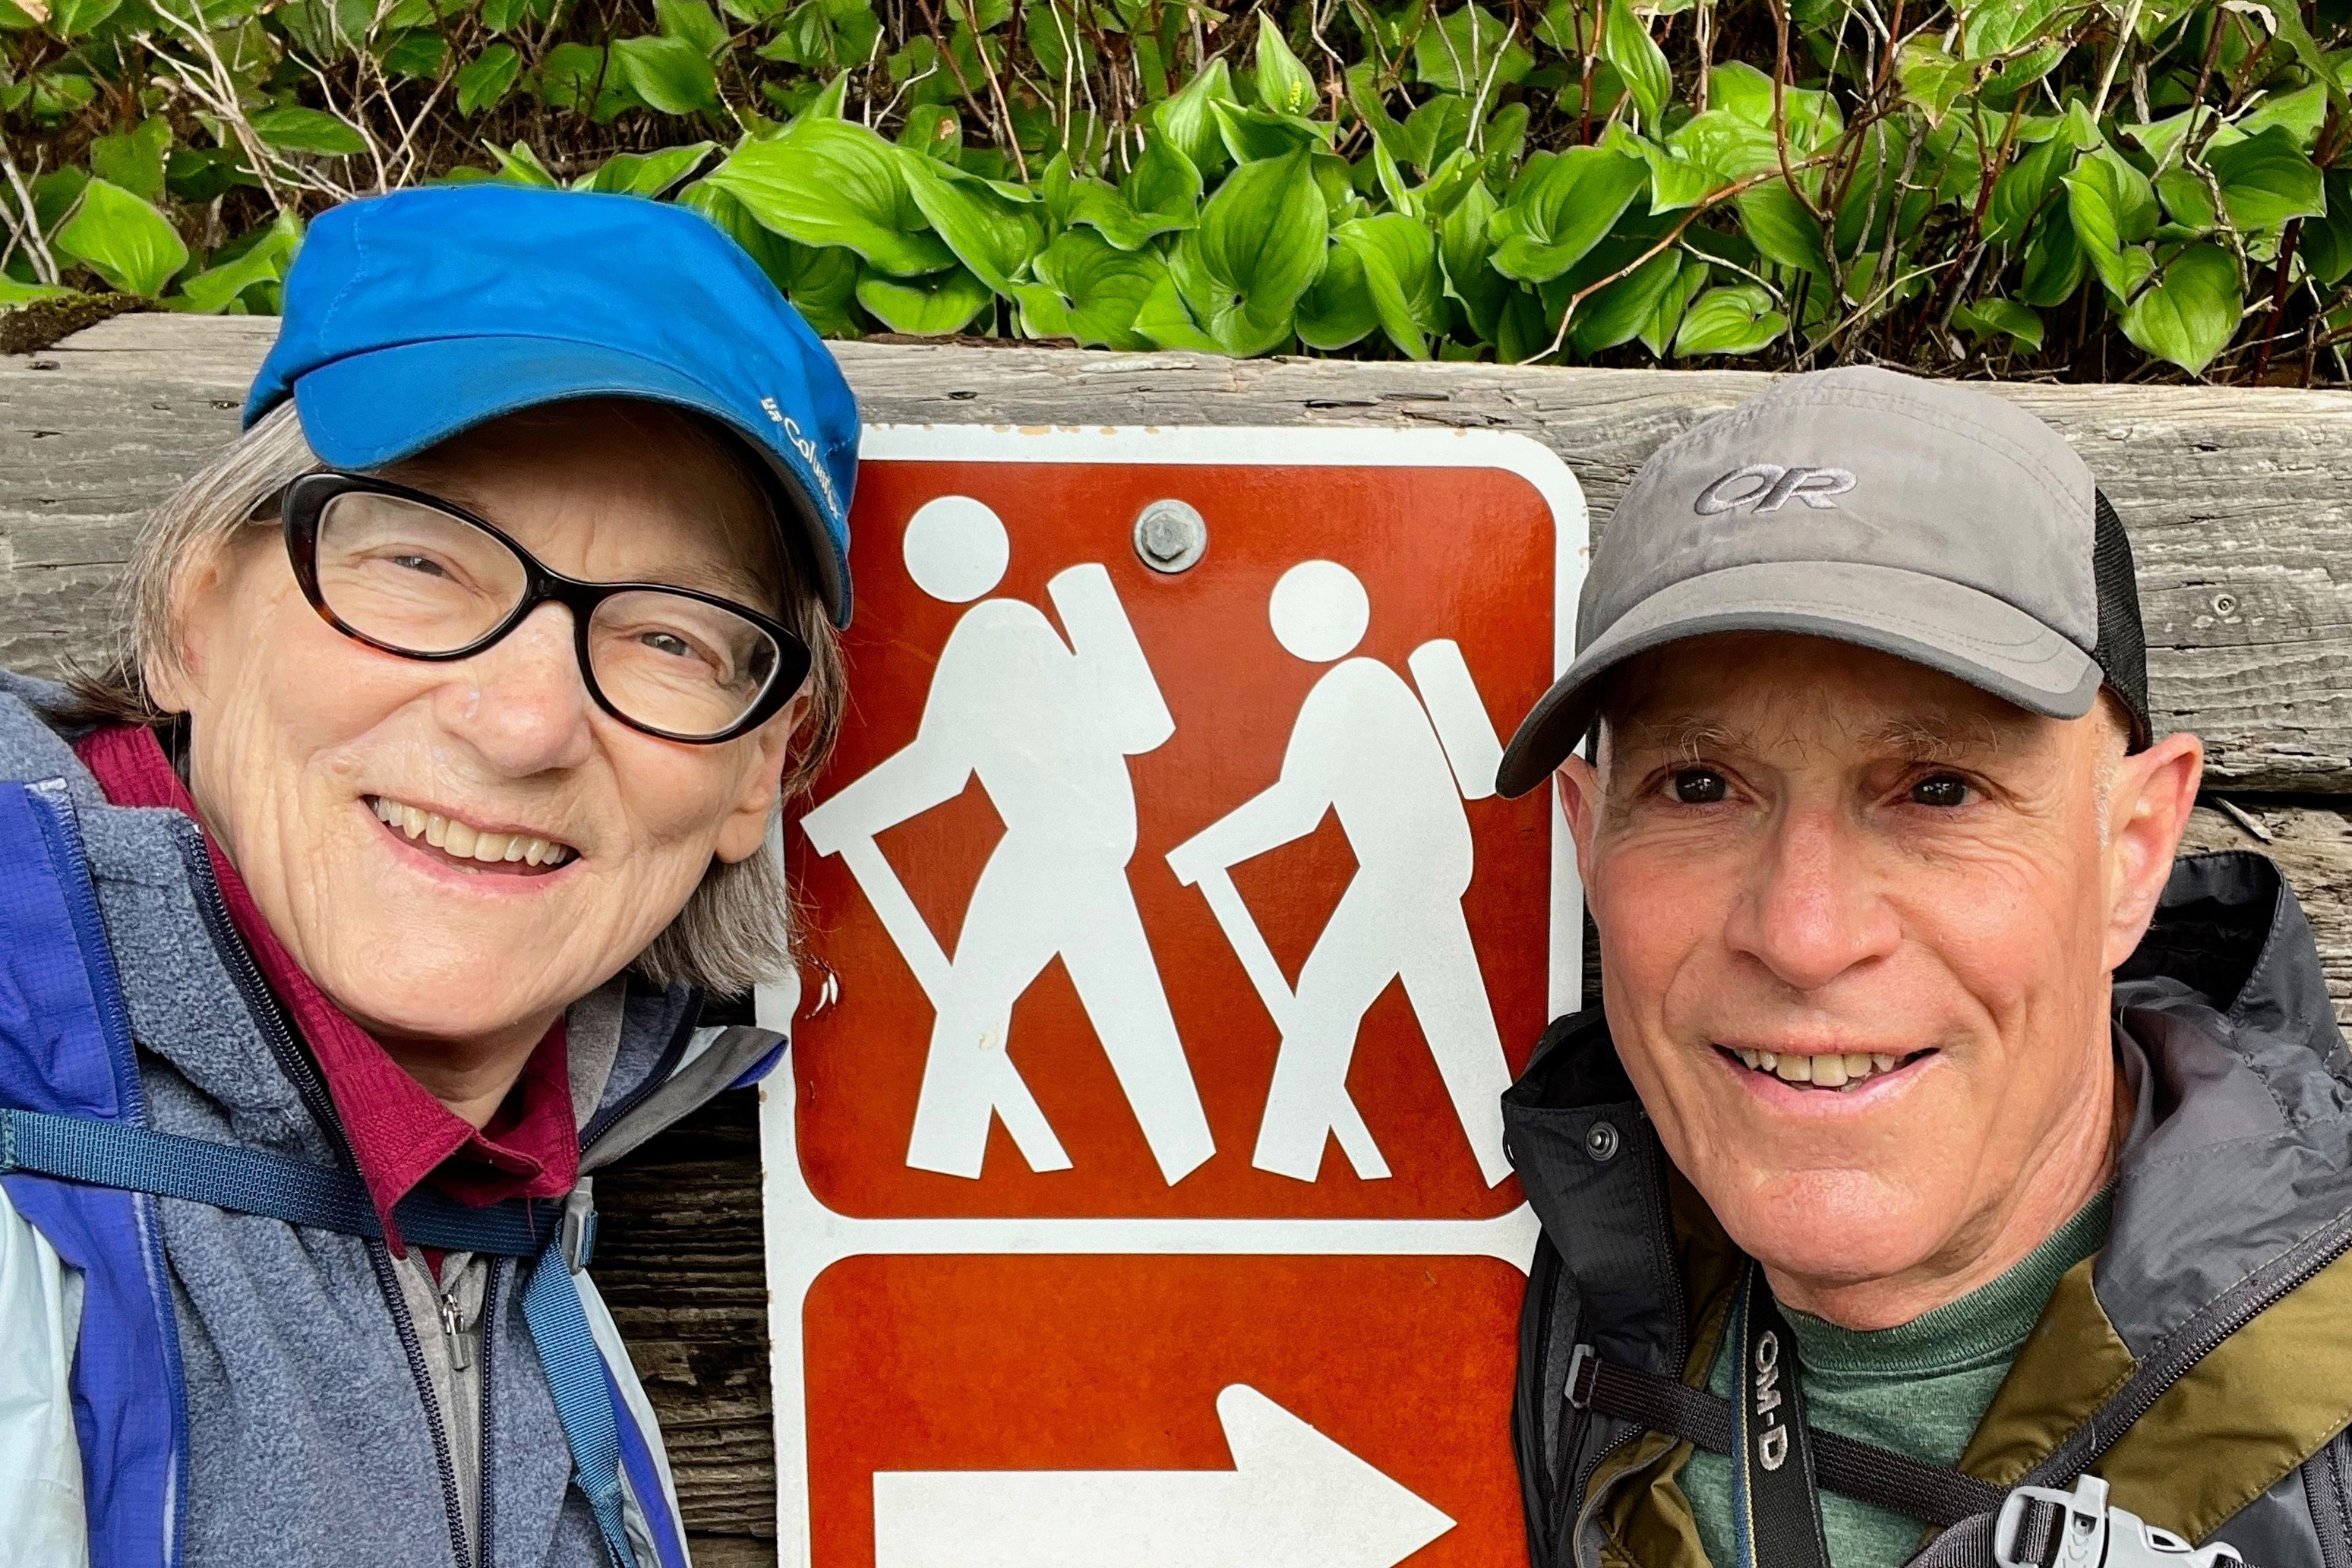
[{"x": 314, "y": 756}]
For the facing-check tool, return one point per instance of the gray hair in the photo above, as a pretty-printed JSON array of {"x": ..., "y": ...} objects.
[{"x": 738, "y": 928}]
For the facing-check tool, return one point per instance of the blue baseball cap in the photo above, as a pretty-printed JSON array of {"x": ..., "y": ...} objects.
[{"x": 412, "y": 317}]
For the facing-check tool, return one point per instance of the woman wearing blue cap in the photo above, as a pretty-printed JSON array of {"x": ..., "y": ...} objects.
[{"x": 365, "y": 906}]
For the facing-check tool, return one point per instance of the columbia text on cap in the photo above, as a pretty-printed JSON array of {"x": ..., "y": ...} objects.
[
  {"x": 1921, "y": 518},
  {"x": 412, "y": 317}
]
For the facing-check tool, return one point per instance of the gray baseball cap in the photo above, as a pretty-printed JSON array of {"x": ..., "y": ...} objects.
[{"x": 1921, "y": 518}]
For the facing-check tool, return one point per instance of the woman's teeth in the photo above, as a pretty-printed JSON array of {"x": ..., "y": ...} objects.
[
  {"x": 1832, "y": 1070},
  {"x": 461, "y": 842}
]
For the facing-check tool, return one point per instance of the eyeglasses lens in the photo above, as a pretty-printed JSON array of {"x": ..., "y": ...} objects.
[
  {"x": 411, "y": 577},
  {"x": 677, "y": 665},
  {"x": 420, "y": 580}
]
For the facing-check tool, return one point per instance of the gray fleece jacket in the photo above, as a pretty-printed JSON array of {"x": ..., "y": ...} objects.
[{"x": 331, "y": 1417}]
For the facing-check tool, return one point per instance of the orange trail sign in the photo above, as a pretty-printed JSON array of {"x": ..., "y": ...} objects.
[{"x": 1138, "y": 1197}]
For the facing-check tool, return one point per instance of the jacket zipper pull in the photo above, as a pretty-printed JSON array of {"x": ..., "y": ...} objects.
[{"x": 454, "y": 1327}]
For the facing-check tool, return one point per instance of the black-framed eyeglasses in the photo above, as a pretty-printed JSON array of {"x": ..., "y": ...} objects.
[{"x": 413, "y": 575}]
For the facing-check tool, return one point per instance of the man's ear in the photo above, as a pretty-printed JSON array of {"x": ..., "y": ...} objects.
[
  {"x": 2147, "y": 811},
  {"x": 1579, "y": 783},
  {"x": 745, "y": 827}
]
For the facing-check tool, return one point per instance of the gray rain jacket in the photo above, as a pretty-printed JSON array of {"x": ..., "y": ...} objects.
[
  {"x": 342, "y": 1405},
  {"x": 2201, "y": 1362}
]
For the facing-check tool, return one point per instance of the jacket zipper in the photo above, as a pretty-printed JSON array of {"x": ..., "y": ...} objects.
[
  {"x": 454, "y": 1327},
  {"x": 2323, "y": 1493},
  {"x": 599, "y": 1123},
  {"x": 482, "y": 1530},
  {"x": 123, "y": 1049},
  {"x": 2137, "y": 1396},
  {"x": 1678, "y": 1312},
  {"x": 117, "y": 1024},
  {"x": 2090, "y": 1441},
  {"x": 2099, "y": 1434},
  {"x": 298, "y": 1068}
]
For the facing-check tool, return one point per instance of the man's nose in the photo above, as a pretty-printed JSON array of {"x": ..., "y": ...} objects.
[
  {"x": 521, "y": 702},
  {"x": 1809, "y": 914}
]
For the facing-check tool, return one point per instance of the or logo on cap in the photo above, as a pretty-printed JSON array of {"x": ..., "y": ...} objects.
[{"x": 1767, "y": 487}]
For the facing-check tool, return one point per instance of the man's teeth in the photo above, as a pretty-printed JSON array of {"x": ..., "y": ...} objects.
[
  {"x": 464, "y": 842},
  {"x": 1831, "y": 1070}
]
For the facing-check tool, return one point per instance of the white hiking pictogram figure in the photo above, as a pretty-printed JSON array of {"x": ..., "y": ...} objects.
[
  {"x": 1047, "y": 725},
  {"x": 1397, "y": 776}
]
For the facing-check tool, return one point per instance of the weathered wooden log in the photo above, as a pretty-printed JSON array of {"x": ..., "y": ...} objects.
[
  {"x": 2238, "y": 501},
  {"x": 678, "y": 1262}
]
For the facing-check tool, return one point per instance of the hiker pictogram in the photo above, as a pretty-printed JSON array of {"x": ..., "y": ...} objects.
[
  {"x": 1047, "y": 724},
  {"x": 1133, "y": 863},
  {"x": 1396, "y": 773}
]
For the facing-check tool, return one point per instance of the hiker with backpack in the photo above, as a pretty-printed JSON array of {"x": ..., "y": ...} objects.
[
  {"x": 1947, "y": 1176},
  {"x": 365, "y": 906}
]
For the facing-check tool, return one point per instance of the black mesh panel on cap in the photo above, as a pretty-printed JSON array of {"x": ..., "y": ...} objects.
[{"x": 2122, "y": 652}]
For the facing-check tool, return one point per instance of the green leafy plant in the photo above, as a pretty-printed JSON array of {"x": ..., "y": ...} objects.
[{"x": 2093, "y": 188}]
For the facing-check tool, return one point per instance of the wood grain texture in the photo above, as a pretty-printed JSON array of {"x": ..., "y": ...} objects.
[
  {"x": 731, "y": 1550},
  {"x": 2239, "y": 506},
  {"x": 2238, "y": 501},
  {"x": 678, "y": 1262}
]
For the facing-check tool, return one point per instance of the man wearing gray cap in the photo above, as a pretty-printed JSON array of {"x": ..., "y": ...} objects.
[{"x": 1948, "y": 1176}]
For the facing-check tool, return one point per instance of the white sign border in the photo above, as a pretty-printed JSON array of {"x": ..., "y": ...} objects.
[{"x": 804, "y": 1238}]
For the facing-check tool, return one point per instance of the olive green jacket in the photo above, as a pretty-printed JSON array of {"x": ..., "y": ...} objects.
[{"x": 2201, "y": 1362}]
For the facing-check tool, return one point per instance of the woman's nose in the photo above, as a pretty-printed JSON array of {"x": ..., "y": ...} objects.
[
  {"x": 521, "y": 702},
  {"x": 1809, "y": 914}
]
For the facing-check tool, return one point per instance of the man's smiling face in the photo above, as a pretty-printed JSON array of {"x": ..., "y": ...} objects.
[{"x": 1857, "y": 921}]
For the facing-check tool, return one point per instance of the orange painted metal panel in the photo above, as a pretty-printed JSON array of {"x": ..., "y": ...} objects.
[
  {"x": 1405, "y": 1361},
  {"x": 1132, "y": 882}
]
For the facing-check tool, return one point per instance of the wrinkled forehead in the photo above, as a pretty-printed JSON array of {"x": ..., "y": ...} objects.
[
  {"x": 1774, "y": 694},
  {"x": 662, "y": 487}
]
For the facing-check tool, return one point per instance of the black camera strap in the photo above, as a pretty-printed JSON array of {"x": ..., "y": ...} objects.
[{"x": 1776, "y": 1502}]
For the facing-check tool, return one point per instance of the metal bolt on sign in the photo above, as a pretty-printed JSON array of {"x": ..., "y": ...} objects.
[
  {"x": 1207, "y": 1312},
  {"x": 1170, "y": 537}
]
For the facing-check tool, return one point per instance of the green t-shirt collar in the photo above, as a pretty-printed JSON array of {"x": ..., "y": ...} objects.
[{"x": 1986, "y": 1326}]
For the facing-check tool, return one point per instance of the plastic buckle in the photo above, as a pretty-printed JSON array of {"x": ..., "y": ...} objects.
[
  {"x": 2081, "y": 1530},
  {"x": 2091, "y": 1533},
  {"x": 1583, "y": 1371},
  {"x": 577, "y": 1234}
]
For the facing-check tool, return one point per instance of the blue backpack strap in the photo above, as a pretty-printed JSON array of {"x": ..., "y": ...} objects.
[
  {"x": 65, "y": 1050},
  {"x": 254, "y": 1181},
  {"x": 643, "y": 1478},
  {"x": 586, "y": 1401}
]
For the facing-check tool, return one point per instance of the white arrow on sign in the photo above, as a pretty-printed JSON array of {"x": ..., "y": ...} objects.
[{"x": 1294, "y": 1498}]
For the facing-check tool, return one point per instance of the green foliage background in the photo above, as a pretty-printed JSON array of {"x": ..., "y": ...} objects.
[{"x": 2101, "y": 189}]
